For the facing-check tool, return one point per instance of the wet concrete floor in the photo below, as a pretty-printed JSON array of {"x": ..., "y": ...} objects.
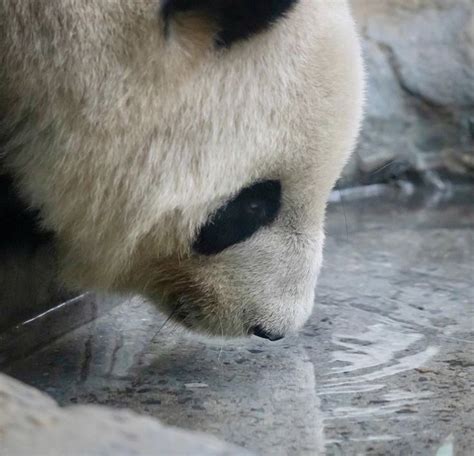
[{"x": 385, "y": 365}]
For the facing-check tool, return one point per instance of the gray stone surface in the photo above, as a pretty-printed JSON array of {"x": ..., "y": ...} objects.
[
  {"x": 420, "y": 110},
  {"x": 384, "y": 367},
  {"x": 59, "y": 317},
  {"x": 31, "y": 424}
]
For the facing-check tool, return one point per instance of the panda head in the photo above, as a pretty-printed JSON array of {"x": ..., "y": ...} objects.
[
  {"x": 189, "y": 148},
  {"x": 277, "y": 94}
]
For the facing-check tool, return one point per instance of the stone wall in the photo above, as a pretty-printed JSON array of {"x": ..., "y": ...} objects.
[{"x": 420, "y": 99}]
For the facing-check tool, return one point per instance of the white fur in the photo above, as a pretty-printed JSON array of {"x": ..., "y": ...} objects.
[{"x": 128, "y": 141}]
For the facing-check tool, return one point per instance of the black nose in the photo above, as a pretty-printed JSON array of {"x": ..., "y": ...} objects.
[{"x": 264, "y": 334}]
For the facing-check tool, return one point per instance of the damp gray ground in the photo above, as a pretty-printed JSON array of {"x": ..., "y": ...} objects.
[{"x": 384, "y": 366}]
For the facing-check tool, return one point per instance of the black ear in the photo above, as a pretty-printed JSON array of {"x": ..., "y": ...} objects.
[{"x": 236, "y": 19}]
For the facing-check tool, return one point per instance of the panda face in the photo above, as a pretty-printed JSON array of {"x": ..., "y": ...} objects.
[
  {"x": 184, "y": 149},
  {"x": 252, "y": 266}
]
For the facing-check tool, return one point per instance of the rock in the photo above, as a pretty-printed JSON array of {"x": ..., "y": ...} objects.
[
  {"x": 32, "y": 423},
  {"x": 420, "y": 97}
]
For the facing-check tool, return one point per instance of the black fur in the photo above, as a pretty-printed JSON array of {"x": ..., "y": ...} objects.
[
  {"x": 254, "y": 207},
  {"x": 19, "y": 226},
  {"x": 236, "y": 19}
]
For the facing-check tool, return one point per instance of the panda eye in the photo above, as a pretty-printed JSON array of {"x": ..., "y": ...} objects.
[{"x": 254, "y": 207}]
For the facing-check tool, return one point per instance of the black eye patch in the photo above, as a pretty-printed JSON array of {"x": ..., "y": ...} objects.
[
  {"x": 254, "y": 207},
  {"x": 237, "y": 20}
]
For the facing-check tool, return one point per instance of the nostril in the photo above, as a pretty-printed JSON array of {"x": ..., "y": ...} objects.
[{"x": 264, "y": 334}]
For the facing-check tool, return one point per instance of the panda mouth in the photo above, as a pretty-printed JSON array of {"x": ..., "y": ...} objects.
[
  {"x": 185, "y": 312},
  {"x": 187, "y": 304}
]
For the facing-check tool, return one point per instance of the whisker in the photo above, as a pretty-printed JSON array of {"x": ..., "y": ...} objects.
[
  {"x": 381, "y": 168},
  {"x": 170, "y": 316},
  {"x": 222, "y": 335}
]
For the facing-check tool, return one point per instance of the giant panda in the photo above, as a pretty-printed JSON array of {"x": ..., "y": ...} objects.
[{"x": 183, "y": 150}]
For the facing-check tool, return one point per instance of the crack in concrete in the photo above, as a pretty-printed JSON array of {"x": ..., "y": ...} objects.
[
  {"x": 117, "y": 347},
  {"x": 86, "y": 360}
]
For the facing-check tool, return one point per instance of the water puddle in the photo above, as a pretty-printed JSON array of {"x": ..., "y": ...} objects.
[{"x": 397, "y": 300}]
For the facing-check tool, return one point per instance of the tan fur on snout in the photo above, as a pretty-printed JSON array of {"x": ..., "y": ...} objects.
[{"x": 128, "y": 139}]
